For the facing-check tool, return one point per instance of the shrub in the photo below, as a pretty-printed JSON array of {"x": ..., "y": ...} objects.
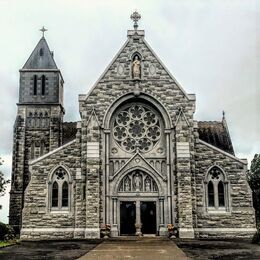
[{"x": 6, "y": 232}]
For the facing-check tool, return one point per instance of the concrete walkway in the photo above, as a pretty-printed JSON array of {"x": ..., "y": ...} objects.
[{"x": 136, "y": 248}]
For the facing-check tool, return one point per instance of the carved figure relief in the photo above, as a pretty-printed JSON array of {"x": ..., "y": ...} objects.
[{"x": 138, "y": 181}]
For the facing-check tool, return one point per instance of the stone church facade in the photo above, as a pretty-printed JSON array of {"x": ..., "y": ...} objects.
[{"x": 136, "y": 161}]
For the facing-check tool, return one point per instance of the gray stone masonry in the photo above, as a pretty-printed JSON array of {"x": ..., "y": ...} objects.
[
  {"x": 37, "y": 214},
  {"x": 94, "y": 187},
  {"x": 241, "y": 214}
]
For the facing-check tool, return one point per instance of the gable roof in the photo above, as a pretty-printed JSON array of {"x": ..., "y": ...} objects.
[
  {"x": 69, "y": 131},
  {"x": 216, "y": 133},
  {"x": 41, "y": 57},
  {"x": 140, "y": 34}
]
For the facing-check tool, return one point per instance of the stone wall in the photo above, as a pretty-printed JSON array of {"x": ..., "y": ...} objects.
[
  {"x": 52, "y": 87},
  {"x": 39, "y": 221},
  {"x": 29, "y": 142},
  {"x": 239, "y": 218}
]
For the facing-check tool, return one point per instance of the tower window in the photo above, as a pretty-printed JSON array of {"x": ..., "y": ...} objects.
[
  {"x": 41, "y": 52},
  {"x": 35, "y": 78},
  {"x": 43, "y": 84}
]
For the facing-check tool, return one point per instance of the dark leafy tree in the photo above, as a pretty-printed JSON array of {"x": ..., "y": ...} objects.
[
  {"x": 253, "y": 176},
  {"x": 3, "y": 181}
]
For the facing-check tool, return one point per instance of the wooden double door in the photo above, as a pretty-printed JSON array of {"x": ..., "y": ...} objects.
[{"x": 145, "y": 214}]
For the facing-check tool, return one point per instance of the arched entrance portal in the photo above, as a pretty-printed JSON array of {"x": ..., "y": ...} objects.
[
  {"x": 138, "y": 186},
  {"x": 138, "y": 200}
]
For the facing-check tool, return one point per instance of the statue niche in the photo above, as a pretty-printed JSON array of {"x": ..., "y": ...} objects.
[{"x": 136, "y": 67}]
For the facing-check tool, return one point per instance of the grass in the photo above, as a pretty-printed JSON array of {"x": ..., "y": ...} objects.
[{"x": 7, "y": 243}]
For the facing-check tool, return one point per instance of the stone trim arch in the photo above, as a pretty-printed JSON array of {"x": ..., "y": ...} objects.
[
  {"x": 65, "y": 167},
  {"x": 138, "y": 53},
  {"x": 143, "y": 96},
  {"x": 210, "y": 168}
]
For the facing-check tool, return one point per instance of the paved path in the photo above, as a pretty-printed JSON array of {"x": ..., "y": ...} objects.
[{"x": 136, "y": 248}]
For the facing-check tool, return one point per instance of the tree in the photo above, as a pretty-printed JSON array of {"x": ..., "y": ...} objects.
[
  {"x": 3, "y": 181},
  {"x": 253, "y": 176}
]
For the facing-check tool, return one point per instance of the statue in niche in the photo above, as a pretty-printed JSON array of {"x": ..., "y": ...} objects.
[
  {"x": 136, "y": 68},
  {"x": 147, "y": 185},
  {"x": 127, "y": 184},
  {"x": 137, "y": 182}
]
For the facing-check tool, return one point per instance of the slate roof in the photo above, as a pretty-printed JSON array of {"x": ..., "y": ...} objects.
[
  {"x": 40, "y": 58},
  {"x": 69, "y": 131},
  {"x": 213, "y": 132},
  {"x": 216, "y": 133}
]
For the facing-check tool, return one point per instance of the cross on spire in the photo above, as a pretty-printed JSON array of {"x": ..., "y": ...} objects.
[
  {"x": 135, "y": 16},
  {"x": 43, "y": 30}
]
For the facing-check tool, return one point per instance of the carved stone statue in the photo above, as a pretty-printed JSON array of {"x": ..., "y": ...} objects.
[
  {"x": 137, "y": 182},
  {"x": 127, "y": 185},
  {"x": 136, "y": 68},
  {"x": 147, "y": 185}
]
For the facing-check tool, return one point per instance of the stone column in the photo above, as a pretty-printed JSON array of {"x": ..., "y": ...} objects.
[
  {"x": 161, "y": 210},
  {"x": 93, "y": 179},
  {"x": 168, "y": 159},
  {"x": 138, "y": 223},
  {"x": 114, "y": 227},
  {"x": 183, "y": 167},
  {"x": 162, "y": 228}
]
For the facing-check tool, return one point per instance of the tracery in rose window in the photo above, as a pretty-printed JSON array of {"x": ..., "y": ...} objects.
[{"x": 136, "y": 127}]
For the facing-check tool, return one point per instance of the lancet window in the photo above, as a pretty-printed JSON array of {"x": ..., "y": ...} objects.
[
  {"x": 59, "y": 190},
  {"x": 216, "y": 190}
]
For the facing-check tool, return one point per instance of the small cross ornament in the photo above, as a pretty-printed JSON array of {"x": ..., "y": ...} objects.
[
  {"x": 43, "y": 30},
  {"x": 135, "y": 16}
]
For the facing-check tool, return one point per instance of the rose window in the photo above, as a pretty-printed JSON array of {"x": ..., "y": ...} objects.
[{"x": 136, "y": 127}]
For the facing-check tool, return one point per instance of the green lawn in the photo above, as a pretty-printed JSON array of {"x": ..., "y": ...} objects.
[{"x": 6, "y": 243}]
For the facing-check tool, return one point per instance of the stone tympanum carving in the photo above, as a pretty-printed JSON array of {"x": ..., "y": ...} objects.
[{"x": 138, "y": 181}]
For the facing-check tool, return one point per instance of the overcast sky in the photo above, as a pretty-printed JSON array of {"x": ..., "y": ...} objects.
[{"x": 211, "y": 48}]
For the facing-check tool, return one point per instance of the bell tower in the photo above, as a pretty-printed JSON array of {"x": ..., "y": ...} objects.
[{"x": 38, "y": 124}]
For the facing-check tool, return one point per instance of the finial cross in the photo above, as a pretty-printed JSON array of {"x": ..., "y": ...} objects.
[
  {"x": 43, "y": 30},
  {"x": 135, "y": 16}
]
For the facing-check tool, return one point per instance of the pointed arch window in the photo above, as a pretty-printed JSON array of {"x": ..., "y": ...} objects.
[
  {"x": 65, "y": 194},
  {"x": 216, "y": 190},
  {"x": 221, "y": 196},
  {"x": 210, "y": 194},
  {"x": 43, "y": 81},
  {"x": 59, "y": 190},
  {"x": 55, "y": 194},
  {"x": 35, "y": 79}
]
